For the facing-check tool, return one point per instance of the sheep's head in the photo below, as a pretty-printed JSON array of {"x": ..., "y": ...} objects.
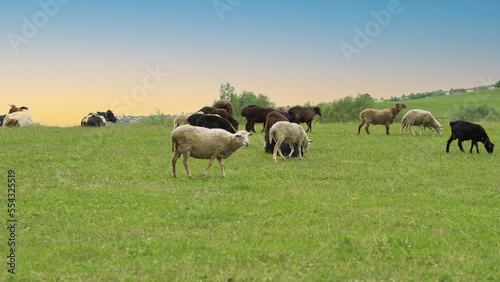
[
  {"x": 244, "y": 137},
  {"x": 439, "y": 130},
  {"x": 305, "y": 145},
  {"x": 488, "y": 146},
  {"x": 400, "y": 106}
]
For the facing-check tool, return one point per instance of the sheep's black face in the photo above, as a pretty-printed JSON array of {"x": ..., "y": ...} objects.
[{"x": 489, "y": 146}]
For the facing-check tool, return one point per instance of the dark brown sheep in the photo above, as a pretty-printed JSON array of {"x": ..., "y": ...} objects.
[
  {"x": 256, "y": 115},
  {"x": 304, "y": 114},
  {"x": 222, "y": 113},
  {"x": 245, "y": 109},
  {"x": 225, "y": 105},
  {"x": 207, "y": 110}
]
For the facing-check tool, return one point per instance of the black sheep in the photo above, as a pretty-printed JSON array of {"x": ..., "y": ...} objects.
[
  {"x": 211, "y": 121},
  {"x": 463, "y": 130}
]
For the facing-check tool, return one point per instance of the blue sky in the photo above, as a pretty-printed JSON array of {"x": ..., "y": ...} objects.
[{"x": 90, "y": 54}]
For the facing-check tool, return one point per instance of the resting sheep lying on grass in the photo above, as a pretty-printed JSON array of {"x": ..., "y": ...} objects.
[
  {"x": 385, "y": 116},
  {"x": 204, "y": 143},
  {"x": 422, "y": 119},
  {"x": 291, "y": 133}
]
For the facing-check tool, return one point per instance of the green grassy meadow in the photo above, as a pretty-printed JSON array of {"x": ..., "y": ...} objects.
[{"x": 101, "y": 204}]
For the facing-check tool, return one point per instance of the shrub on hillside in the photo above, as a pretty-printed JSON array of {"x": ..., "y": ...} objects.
[
  {"x": 345, "y": 110},
  {"x": 474, "y": 112}
]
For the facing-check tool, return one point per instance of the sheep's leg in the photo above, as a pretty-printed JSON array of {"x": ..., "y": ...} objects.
[
  {"x": 449, "y": 142},
  {"x": 291, "y": 149},
  {"x": 186, "y": 164},
  {"x": 277, "y": 149},
  {"x": 251, "y": 126},
  {"x": 411, "y": 130},
  {"x": 366, "y": 128},
  {"x": 387, "y": 129},
  {"x": 472, "y": 146},
  {"x": 309, "y": 128},
  {"x": 209, "y": 165},
  {"x": 460, "y": 144},
  {"x": 300, "y": 151},
  {"x": 361, "y": 125},
  {"x": 402, "y": 126},
  {"x": 174, "y": 161},
  {"x": 263, "y": 127},
  {"x": 221, "y": 167}
]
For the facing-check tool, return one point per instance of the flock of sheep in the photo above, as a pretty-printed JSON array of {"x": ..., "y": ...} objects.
[{"x": 211, "y": 133}]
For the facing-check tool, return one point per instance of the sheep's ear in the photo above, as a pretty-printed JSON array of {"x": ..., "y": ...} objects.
[
  {"x": 237, "y": 135},
  {"x": 310, "y": 141},
  {"x": 250, "y": 133}
]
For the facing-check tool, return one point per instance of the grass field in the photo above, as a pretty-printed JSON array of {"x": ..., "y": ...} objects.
[{"x": 101, "y": 204}]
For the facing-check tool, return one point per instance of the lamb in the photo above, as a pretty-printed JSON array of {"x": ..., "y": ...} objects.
[
  {"x": 463, "y": 130},
  {"x": 422, "y": 119},
  {"x": 203, "y": 143},
  {"x": 271, "y": 119},
  {"x": 304, "y": 114},
  {"x": 291, "y": 133},
  {"x": 225, "y": 105},
  {"x": 385, "y": 116},
  {"x": 253, "y": 114},
  {"x": 181, "y": 120}
]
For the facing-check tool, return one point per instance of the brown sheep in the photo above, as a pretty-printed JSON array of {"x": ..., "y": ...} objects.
[
  {"x": 385, "y": 116},
  {"x": 255, "y": 114},
  {"x": 225, "y": 105},
  {"x": 304, "y": 114},
  {"x": 245, "y": 109}
]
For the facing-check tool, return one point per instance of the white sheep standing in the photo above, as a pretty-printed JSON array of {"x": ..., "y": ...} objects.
[
  {"x": 181, "y": 120},
  {"x": 204, "y": 143},
  {"x": 291, "y": 133},
  {"x": 385, "y": 117},
  {"x": 422, "y": 119}
]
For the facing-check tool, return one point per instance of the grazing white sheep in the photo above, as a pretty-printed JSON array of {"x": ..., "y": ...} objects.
[
  {"x": 21, "y": 119},
  {"x": 385, "y": 117},
  {"x": 181, "y": 120},
  {"x": 204, "y": 143},
  {"x": 422, "y": 119},
  {"x": 291, "y": 133}
]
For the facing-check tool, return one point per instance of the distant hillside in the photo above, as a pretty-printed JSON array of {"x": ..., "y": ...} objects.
[{"x": 442, "y": 107}]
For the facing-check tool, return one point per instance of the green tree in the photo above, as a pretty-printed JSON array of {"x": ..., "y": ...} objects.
[
  {"x": 497, "y": 85},
  {"x": 226, "y": 92}
]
